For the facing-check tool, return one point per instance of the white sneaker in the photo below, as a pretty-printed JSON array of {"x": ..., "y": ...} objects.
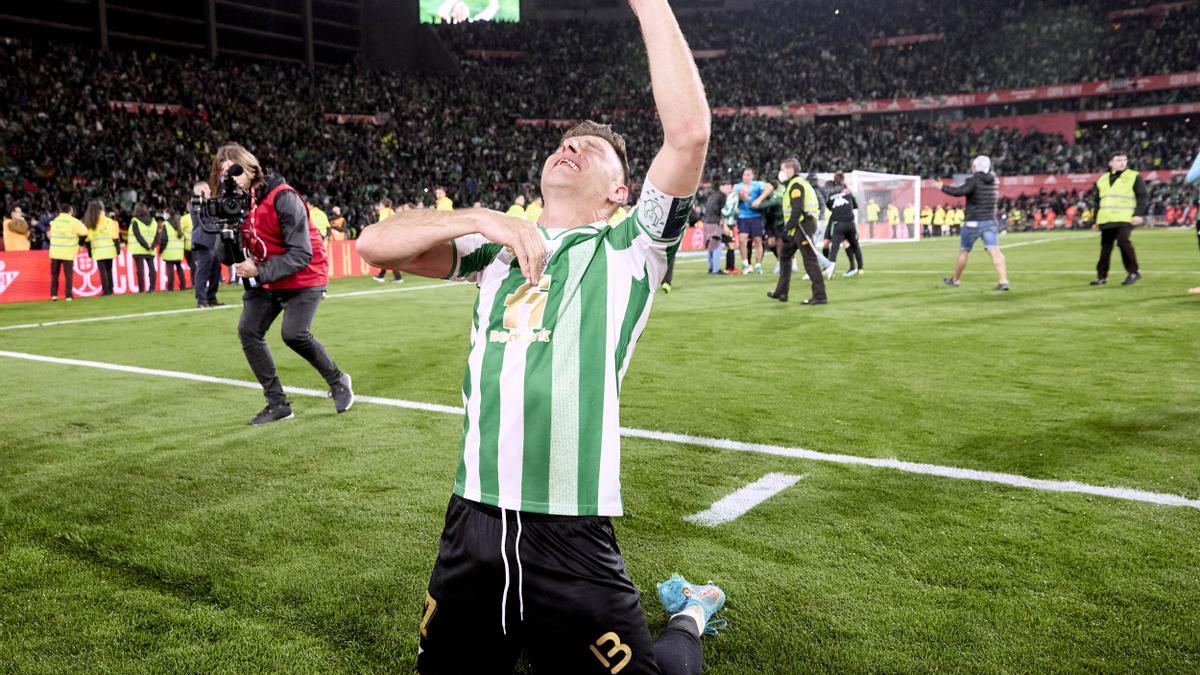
[
  {"x": 777, "y": 269},
  {"x": 828, "y": 271},
  {"x": 378, "y": 280},
  {"x": 804, "y": 278},
  {"x": 795, "y": 267},
  {"x": 850, "y": 273}
]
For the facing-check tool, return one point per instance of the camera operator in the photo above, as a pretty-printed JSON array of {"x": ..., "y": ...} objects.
[
  {"x": 206, "y": 275},
  {"x": 287, "y": 272}
]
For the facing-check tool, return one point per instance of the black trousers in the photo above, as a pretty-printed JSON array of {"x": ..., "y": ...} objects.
[
  {"x": 802, "y": 243},
  {"x": 1121, "y": 236},
  {"x": 146, "y": 267},
  {"x": 260, "y": 308},
  {"x": 564, "y": 595},
  {"x": 206, "y": 275},
  {"x": 175, "y": 267},
  {"x": 845, "y": 232},
  {"x": 106, "y": 278},
  {"x": 68, "y": 270},
  {"x": 383, "y": 273},
  {"x": 670, "y": 271}
]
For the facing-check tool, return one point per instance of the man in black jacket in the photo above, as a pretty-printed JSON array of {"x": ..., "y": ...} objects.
[
  {"x": 981, "y": 191},
  {"x": 206, "y": 276}
]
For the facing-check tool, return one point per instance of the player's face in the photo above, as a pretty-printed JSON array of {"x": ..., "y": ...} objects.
[
  {"x": 588, "y": 166},
  {"x": 747, "y": 176},
  {"x": 1118, "y": 163}
]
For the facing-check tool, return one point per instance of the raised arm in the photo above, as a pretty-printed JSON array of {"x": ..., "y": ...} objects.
[
  {"x": 421, "y": 241},
  {"x": 679, "y": 98}
]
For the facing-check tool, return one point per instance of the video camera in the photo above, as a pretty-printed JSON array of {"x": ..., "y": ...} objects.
[{"x": 223, "y": 214}]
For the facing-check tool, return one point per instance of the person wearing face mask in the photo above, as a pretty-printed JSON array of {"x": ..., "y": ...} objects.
[
  {"x": 288, "y": 271},
  {"x": 800, "y": 208}
]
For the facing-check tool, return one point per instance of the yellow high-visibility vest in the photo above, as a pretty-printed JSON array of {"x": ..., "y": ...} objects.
[
  {"x": 533, "y": 212},
  {"x": 1118, "y": 201},
  {"x": 65, "y": 231},
  {"x": 319, "y": 220},
  {"x": 173, "y": 251},
  {"x": 812, "y": 206},
  {"x": 185, "y": 224},
  {"x": 104, "y": 238},
  {"x": 873, "y": 213},
  {"x": 149, "y": 232}
]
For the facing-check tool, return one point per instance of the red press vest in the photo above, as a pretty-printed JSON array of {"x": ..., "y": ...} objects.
[{"x": 264, "y": 227}]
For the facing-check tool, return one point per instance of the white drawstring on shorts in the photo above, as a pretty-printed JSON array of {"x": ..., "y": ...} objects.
[
  {"x": 520, "y": 572},
  {"x": 504, "y": 557}
]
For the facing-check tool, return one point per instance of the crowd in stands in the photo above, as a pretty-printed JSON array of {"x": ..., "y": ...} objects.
[{"x": 61, "y": 141}]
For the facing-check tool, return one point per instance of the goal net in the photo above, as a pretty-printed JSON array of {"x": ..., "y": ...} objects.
[{"x": 889, "y": 205}]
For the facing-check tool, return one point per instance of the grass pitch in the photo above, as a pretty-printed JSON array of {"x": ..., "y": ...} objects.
[{"x": 145, "y": 528}]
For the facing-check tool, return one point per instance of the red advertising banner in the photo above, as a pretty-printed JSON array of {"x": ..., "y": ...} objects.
[
  {"x": 1062, "y": 124},
  {"x": 25, "y": 275},
  {"x": 1139, "y": 113},
  {"x": 901, "y": 40},
  {"x": 966, "y": 100}
]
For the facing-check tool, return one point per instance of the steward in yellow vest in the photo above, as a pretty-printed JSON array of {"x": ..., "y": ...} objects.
[
  {"x": 1120, "y": 201},
  {"x": 143, "y": 237},
  {"x": 104, "y": 238},
  {"x": 172, "y": 254},
  {"x": 65, "y": 231},
  {"x": 801, "y": 206},
  {"x": 319, "y": 220}
]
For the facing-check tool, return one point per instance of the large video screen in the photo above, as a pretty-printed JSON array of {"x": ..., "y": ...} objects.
[{"x": 463, "y": 11}]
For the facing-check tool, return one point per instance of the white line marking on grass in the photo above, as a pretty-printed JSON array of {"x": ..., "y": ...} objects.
[
  {"x": 1038, "y": 241},
  {"x": 924, "y": 469},
  {"x": 1013, "y": 480},
  {"x": 189, "y": 310},
  {"x": 737, "y": 504}
]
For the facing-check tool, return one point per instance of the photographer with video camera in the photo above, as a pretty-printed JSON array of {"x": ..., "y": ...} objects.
[{"x": 264, "y": 218}]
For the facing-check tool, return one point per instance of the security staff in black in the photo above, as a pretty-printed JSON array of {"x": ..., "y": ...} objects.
[
  {"x": 1120, "y": 202},
  {"x": 843, "y": 224},
  {"x": 800, "y": 206}
]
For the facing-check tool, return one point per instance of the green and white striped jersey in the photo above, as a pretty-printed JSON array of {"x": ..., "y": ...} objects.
[{"x": 543, "y": 380}]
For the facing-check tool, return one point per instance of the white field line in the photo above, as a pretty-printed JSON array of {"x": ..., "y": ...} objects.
[
  {"x": 237, "y": 305},
  {"x": 737, "y": 504},
  {"x": 1013, "y": 480}
]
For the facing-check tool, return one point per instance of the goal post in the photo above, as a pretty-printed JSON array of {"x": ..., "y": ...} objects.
[{"x": 889, "y": 205}]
